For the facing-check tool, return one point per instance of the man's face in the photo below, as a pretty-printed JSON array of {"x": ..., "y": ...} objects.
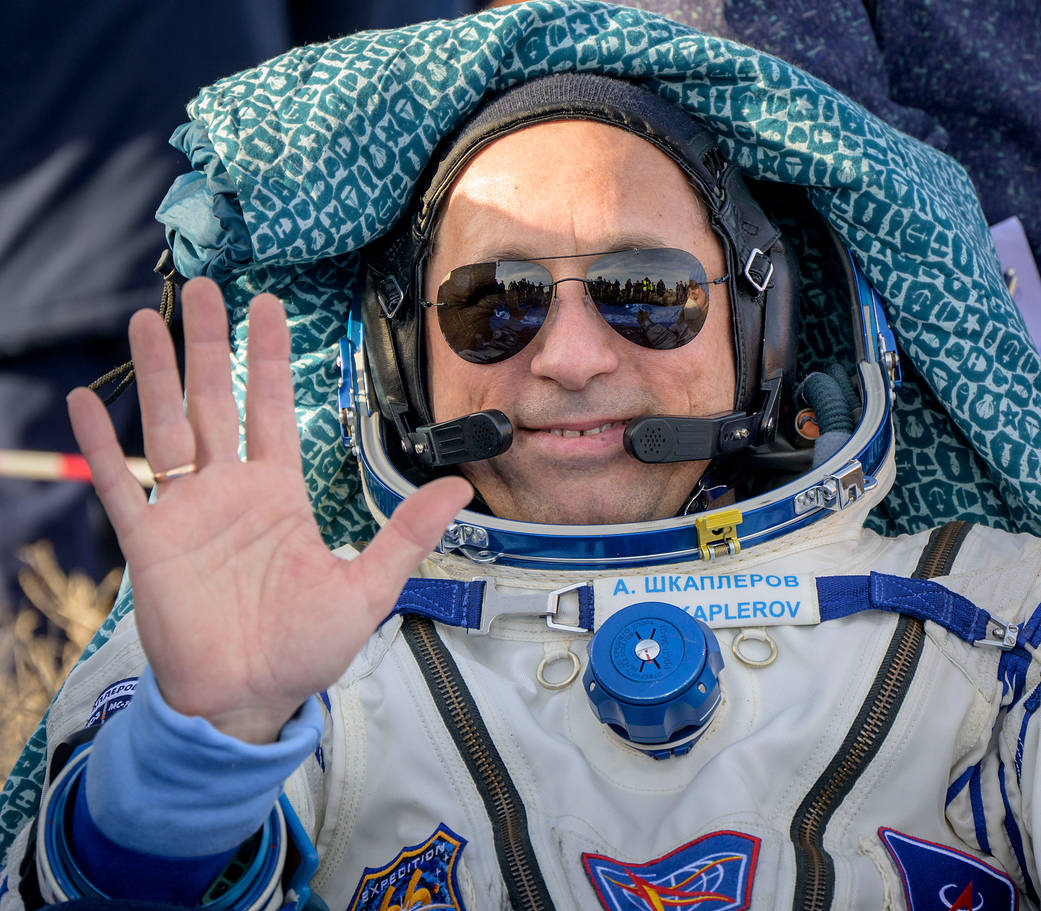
[{"x": 568, "y": 188}]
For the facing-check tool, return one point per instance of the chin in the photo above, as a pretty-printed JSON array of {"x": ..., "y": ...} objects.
[
  {"x": 640, "y": 493},
  {"x": 567, "y": 508}
]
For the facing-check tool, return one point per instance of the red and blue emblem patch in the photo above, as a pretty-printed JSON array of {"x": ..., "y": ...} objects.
[
  {"x": 936, "y": 876},
  {"x": 712, "y": 873},
  {"x": 421, "y": 876}
]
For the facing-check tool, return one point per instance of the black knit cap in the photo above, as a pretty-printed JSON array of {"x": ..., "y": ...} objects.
[
  {"x": 761, "y": 272},
  {"x": 569, "y": 96}
]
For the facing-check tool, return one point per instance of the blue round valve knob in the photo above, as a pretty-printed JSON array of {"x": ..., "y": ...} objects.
[{"x": 653, "y": 675}]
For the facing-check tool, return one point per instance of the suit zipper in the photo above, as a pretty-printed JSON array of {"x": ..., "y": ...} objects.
[
  {"x": 517, "y": 862},
  {"x": 815, "y": 870}
]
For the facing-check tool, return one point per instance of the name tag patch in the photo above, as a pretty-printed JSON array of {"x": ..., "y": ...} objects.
[
  {"x": 421, "y": 876},
  {"x": 113, "y": 698},
  {"x": 712, "y": 873},
  {"x": 936, "y": 876},
  {"x": 718, "y": 599}
]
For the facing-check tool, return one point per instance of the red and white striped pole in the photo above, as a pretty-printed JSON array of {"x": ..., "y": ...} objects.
[{"x": 59, "y": 466}]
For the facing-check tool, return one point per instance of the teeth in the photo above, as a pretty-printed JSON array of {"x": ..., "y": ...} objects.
[{"x": 584, "y": 433}]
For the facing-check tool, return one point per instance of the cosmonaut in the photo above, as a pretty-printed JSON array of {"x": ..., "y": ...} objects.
[{"x": 657, "y": 661}]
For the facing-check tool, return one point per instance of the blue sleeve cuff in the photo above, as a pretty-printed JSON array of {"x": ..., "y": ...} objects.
[
  {"x": 121, "y": 873},
  {"x": 162, "y": 783}
]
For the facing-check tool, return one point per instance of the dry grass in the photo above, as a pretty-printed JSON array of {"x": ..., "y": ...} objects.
[{"x": 38, "y": 649}]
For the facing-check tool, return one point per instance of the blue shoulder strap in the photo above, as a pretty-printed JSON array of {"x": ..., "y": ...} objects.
[
  {"x": 842, "y": 596},
  {"x": 448, "y": 601},
  {"x": 462, "y": 604}
]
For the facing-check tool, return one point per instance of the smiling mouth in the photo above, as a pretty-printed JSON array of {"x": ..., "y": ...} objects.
[{"x": 592, "y": 431}]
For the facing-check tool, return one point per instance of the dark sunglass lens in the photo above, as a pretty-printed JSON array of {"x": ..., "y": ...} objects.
[
  {"x": 656, "y": 298},
  {"x": 489, "y": 311}
]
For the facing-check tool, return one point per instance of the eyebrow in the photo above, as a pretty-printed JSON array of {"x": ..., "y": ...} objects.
[{"x": 609, "y": 244}]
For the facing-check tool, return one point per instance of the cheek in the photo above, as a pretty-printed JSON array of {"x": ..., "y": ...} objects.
[
  {"x": 701, "y": 375},
  {"x": 698, "y": 382},
  {"x": 438, "y": 366},
  {"x": 720, "y": 345},
  {"x": 454, "y": 387}
]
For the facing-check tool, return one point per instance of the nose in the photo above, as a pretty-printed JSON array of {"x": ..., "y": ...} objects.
[{"x": 575, "y": 344}]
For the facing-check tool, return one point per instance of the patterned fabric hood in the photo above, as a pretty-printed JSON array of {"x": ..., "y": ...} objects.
[{"x": 298, "y": 163}]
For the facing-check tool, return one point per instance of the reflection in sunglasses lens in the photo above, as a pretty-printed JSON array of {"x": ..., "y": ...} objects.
[{"x": 656, "y": 298}]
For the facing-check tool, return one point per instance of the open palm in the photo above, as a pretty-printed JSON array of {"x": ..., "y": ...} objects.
[{"x": 241, "y": 609}]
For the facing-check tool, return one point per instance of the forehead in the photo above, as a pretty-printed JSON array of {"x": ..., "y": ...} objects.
[{"x": 563, "y": 185}]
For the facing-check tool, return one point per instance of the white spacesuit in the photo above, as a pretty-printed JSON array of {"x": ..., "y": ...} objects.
[
  {"x": 750, "y": 817},
  {"x": 759, "y": 704}
]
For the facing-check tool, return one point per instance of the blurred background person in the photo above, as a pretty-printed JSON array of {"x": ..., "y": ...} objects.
[
  {"x": 961, "y": 75},
  {"x": 92, "y": 92}
]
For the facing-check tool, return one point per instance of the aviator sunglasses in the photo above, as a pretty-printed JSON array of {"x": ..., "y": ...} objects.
[{"x": 656, "y": 298}]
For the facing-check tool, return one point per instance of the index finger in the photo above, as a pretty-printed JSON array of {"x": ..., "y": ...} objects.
[{"x": 271, "y": 431}]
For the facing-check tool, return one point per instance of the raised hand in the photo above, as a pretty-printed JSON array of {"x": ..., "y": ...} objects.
[{"x": 242, "y": 611}]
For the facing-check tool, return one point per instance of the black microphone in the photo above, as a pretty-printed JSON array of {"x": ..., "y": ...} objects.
[
  {"x": 472, "y": 437},
  {"x": 662, "y": 438}
]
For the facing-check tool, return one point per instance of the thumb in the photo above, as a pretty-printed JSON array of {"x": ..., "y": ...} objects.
[{"x": 413, "y": 531}]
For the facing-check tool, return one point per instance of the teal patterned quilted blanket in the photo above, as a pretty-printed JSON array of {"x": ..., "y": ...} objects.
[{"x": 298, "y": 163}]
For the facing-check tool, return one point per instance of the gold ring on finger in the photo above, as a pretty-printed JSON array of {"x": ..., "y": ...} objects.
[{"x": 179, "y": 472}]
